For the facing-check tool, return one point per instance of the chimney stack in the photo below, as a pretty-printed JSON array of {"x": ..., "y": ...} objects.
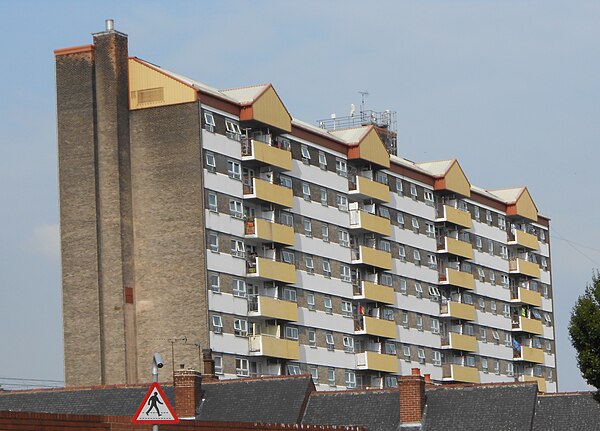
[
  {"x": 188, "y": 393},
  {"x": 209, "y": 365},
  {"x": 412, "y": 396}
]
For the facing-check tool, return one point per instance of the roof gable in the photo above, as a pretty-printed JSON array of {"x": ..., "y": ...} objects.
[
  {"x": 365, "y": 144},
  {"x": 448, "y": 176},
  {"x": 518, "y": 202},
  {"x": 261, "y": 103}
]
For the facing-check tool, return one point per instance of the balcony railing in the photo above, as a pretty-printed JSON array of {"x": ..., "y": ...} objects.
[
  {"x": 374, "y": 292},
  {"x": 447, "y": 213},
  {"x": 274, "y": 308},
  {"x": 267, "y": 230},
  {"x": 267, "y": 152}
]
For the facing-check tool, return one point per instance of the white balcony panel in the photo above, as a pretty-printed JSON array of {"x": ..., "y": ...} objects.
[
  {"x": 408, "y": 206},
  {"x": 330, "y": 358},
  {"x": 548, "y": 332},
  {"x": 316, "y": 175},
  {"x": 492, "y": 377},
  {"x": 410, "y": 270},
  {"x": 412, "y": 303},
  {"x": 551, "y": 387},
  {"x": 224, "y": 223},
  {"x": 486, "y": 231},
  {"x": 328, "y": 286},
  {"x": 222, "y": 262},
  {"x": 497, "y": 321},
  {"x": 544, "y": 249},
  {"x": 414, "y": 336},
  {"x": 428, "y": 368},
  {"x": 490, "y": 261},
  {"x": 322, "y": 320},
  {"x": 547, "y": 304},
  {"x": 492, "y": 291},
  {"x": 227, "y": 303},
  {"x": 492, "y": 350},
  {"x": 317, "y": 211},
  {"x": 221, "y": 144},
  {"x": 228, "y": 343},
  {"x": 549, "y": 360},
  {"x": 408, "y": 237},
  {"x": 545, "y": 277},
  {"x": 223, "y": 184},
  {"x": 318, "y": 247}
]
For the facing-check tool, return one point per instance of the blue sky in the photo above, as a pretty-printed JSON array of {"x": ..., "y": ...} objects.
[{"x": 508, "y": 88}]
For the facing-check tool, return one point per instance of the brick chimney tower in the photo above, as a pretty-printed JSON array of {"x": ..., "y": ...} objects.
[
  {"x": 188, "y": 393},
  {"x": 412, "y": 396}
]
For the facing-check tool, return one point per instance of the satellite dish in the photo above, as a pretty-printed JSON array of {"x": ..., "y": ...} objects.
[{"x": 352, "y": 109}]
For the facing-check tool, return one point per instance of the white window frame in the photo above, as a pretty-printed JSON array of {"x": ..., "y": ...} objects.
[
  {"x": 217, "y": 323},
  {"x": 305, "y": 153},
  {"x": 400, "y": 218},
  {"x": 218, "y": 364},
  {"x": 325, "y": 232},
  {"x": 413, "y": 191},
  {"x": 242, "y": 367},
  {"x": 322, "y": 160},
  {"x": 406, "y": 352},
  {"x": 307, "y": 223},
  {"x": 399, "y": 186},
  {"x": 323, "y": 193},
  {"x": 236, "y": 209},
  {"x": 348, "y": 343},
  {"x": 435, "y": 326},
  {"x": 418, "y": 290},
  {"x": 421, "y": 355},
  {"x": 291, "y": 332},
  {"x": 310, "y": 264},
  {"x": 403, "y": 286},
  {"x": 416, "y": 257},
  {"x": 213, "y": 241},
  {"x": 436, "y": 358},
  {"x": 214, "y": 281},
  {"x": 341, "y": 167},
  {"x": 326, "y": 268},
  {"x": 344, "y": 238},
  {"x": 285, "y": 181},
  {"x": 329, "y": 340},
  {"x": 233, "y": 129},
  {"x": 240, "y": 327},
  {"x": 239, "y": 288},
  {"x": 238, "y": 249},
  {"x": 289, "y": 294},
  {"x": 429, "y": 198},
  {"x": 402, "y": 253},
  {"x": 430, "y": 230},
  {"x": 345, "y": 273},
  {"x": 310, "y": 301},
  {"x": 234, "y": 169},
  {"x": 342, "y": 202},
  {"x": 209, "y": 120},
  {"x": 306, "y": 191},
  {"x": 312, "y": 338},
  {"x": 328, "y": 304},
  {"x": 211, "y": 163},
  {"x": 213, "y": 203},
  {"x": 346, "y": 308}
]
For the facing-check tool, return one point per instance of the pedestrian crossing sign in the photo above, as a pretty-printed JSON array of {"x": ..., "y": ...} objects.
[{"x": 155, "y": 408}]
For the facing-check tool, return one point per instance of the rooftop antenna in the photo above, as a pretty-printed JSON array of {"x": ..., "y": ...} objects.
[{"x": 362, "y": 100}]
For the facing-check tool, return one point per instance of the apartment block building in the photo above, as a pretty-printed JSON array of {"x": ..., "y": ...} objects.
[{"x": 196, "y": 218}]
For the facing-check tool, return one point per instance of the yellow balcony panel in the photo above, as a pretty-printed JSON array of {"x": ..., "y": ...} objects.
[
  {"x": 525, "y": 324},
  {"x": 530, "y": 354},
  {"x": 372, "y": 256},
  {"x": 459, "y": 373},
  {"x": 375, "y": 292},
  {"x": 528, "y": 297},
  {"x": 524, "y": 239},
  {"x": 266, "y": 154},
  {"x": 377, "y": 327},
  {"x": 268, "y": 231},
  {"x": 458, "y": 310},
  {"x": 276, "y": 309},
  {"x": 269, "y": 192},
  {"x": 539, "y": 380},
  {"x": 267, "y": 269},
  {"x": 456, "y": 216},
  {"x": 522, "y": 266},
  {"x": 267, "y": 345},
  {"x": 457, "y": 278},
  {"x": 456, "y": 247},
  {"x": 365, "y": 221},
  {"x": 369, "y": 189},
  {"x": 377, "y": 362},
  {"x": 461, "y": 342}
]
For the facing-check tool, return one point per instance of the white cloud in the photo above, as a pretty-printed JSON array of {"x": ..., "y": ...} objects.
[{"x": 44, "y": 240}]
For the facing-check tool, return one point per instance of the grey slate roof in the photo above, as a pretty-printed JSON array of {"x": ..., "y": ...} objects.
[
  {"x": 111, "y": 401},
  {"x": 377, "y": 410},
  {"x": 576, "y": 411},
  {"x": 273, "y": 400},
  {"x": 498, "y": 407}
]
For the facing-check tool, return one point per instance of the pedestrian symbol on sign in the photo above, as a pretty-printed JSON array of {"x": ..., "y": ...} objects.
[{"x": 155, "y": 408}]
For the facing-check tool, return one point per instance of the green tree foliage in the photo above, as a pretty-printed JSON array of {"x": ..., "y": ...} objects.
[{"x": 584, "y": 331}]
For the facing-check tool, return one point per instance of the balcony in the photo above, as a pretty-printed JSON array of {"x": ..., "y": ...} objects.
[
  {"x": 539, "y": 380},
  {"x": 521, "y": 266},
  {"x": 374, "y": 292},
  {"x": 268, "y": 345},
  {"x": 453, "y": 215},
  {"x": 525, "y": 296},
  {"x": 525, "y": 324},
  {"x": 264, "y": 306},
  {"x": 457, "y": 310},
  {"x": 265, "y": 230},
  {"x": 460, "y": 342},
  {"x": 455, "y": 246},
  {"x": 269, "y": 192},
  {"x": 259, "y": 153},
  {"x": 373, "y": 326},
  {"x": 361, "y": 188},
  {"x": 377, "y": 362},
  {"x": 524, "y": 239},
  {"x": 457, "y": 278},
  {"x": 459, "y": 373},
  {"x": 529, "y": 354},
  {"x": 371, "y": 256},
  {"x": 365, "y": 222},
  {"x": 266, "y": 269}
]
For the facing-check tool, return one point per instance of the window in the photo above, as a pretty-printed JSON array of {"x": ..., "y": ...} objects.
[
  {"x": 241, "y": 367},
  {"x": 400, "y": 219},
  {"x": 542, "y": 235},
  {"x": 544, "y": 263},
  {"x": 286, "y": 218},
  {"x": 218, "y": 364},
  {"x": 325, "y": 232},
  {"x": 432, "y": 261},
  {"x": 478, "y": 243},
  {"x": 213, "y": 241},
  {"x": 483, "y": 334},
  {"x": 326, "y": 268},
  {"x": 418, "y": 290},
  {"x": 417, "y": 257},
  {"x": 322, "y": 160},
  {"x": 503, "y": 252},
  {"x": 491, "y": 247},
  {"x": 213, "y": 281},
  {"x": 237, "y": 248},
  {"x": 507, "y": 339},
  {"x": 314, "y": 373},
  {"x": 390, "y": 348},
  {"x": 323, "y": 196},
  {"x": 209, "y": 121},
  {"x": 403, "y": 286},
  {"x": 381, "y": 177},
  {"x": 402, "y": 253},
  {"x": 501, "y": 222},
  {"x": 307, "y": 227},
  {"x": 434, "y": 293},
  {"x": 509, "y": 369},
  {"x": 463, "y": 206},
  {"x": 345, "y": 273},
  {"x": 217, "y": 324},
  {"x": 406, "y": 352},
  {"x": 236, "y": 209},
  {"x": 469, "y": 361},
  {"x": 387, "y": 313},
  {"x": 476, "y": 213},
  {"x": 344, "y": 238},
  {"x": 419, "y": 322},
  {"x": 348, "y": 343},
  {"x": 285, "y": 181},
  {"x": 467, "y": 298},
  {"x": 537, "y": 371},
  {"x": 341, "y": 168},
  {"x": 495, "y": 336},
  {"x": 415, "y": 224},
  {"x": 488, "y": 217},
  {"x": 291, "y": 332},
  {"x": 430, "y": 230},
  {"x": 289, "y": 294},
  {"x": 293, "y": 369},
  {"x": 413, "y": 192},
  {"x": 404, "y": 318},
  {"x": 435, "y": 326},
  {"x": 306, "y": 191},
  {"x": 234, "y": 170},
  {"x": 350, "y": 379},
  {"x": 548, "y": 346},
  {"x": 436, "y": 358},
  {"x": 211, "y": 164},
  {"x": 536, "y": 343},
  {"x": 331, "y": 376},
  {"x": 312, "y": 338},
  {"x": 506, "y": 310},
  {"x": 421, "y": 355},
  {"x": 548, "y": 319},
  {"x": 233, "y": 130},
  {"x": 399, "y": 188},
  {"x": 497, "y": 366},
  {"x": 288, "y": 256},
  {"x": 385, "y": 279},
  {"x": 484, "y": 365},
  {"x": 428, "y": 198},
  {"x": 468, "y": 329},
  {"x": 240, "y": 327},
  {"x": 384, "y": 245},
  {"x": 310, "y": 301},
  {"x": 342, "y": 202},
  {"x": 482, "y": 304},
  {"x": 310, "y": 268},
  {"x": 504, "y": 279},
  {"x": 346, "y": 309},
  {"x": 328, "y": 305},
  {"x": 492, "y": 277},
  {"x": 305, "y": 154},
  {"x": 239, "y": 288},
  {"x": 329, "y": 341},
  {"x": 383, "y": 212},
  {"x": 212, "y": 202},
  {"x": 493, "y": 306}
]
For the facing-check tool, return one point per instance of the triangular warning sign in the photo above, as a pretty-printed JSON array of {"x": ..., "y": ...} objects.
[{"x": 155, "y": 409}]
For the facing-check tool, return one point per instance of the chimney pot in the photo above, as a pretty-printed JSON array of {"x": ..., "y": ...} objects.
[
  {"x": 109, "y": 25},
  {"x": 427, "y": 378},
  {"x": 415, "y": 371}
]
